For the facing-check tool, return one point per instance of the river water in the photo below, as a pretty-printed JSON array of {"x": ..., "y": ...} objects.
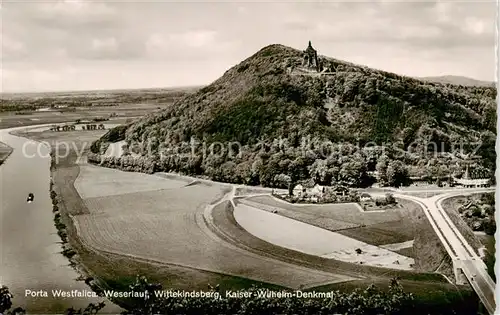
[{"x": 30, "y": 248}]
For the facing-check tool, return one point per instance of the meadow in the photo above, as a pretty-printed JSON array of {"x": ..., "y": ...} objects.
[
  {"x": 403, "y": 223},
  {"x": 334, "y": 217},
  {"x": 299, "y": 236},
  {"x": 166, "y": 226}
]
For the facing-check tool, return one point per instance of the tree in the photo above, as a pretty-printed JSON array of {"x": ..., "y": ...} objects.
[
  {"x": 256, "y": 169},
  {"x": 397, "y": 174},
  {"x": 389, "y": 199},
  {"x": 5, "y": 299},
  {"x": 243, "y": 173},
  {"x": 353, "y": 172},
  {"x": 148, "y": 304},
  {"x": 381, "y": 169},
  {"x": 282, "y": 181}
]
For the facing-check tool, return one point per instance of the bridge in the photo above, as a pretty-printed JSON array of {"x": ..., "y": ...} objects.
[{"x": 467, "y": 265}]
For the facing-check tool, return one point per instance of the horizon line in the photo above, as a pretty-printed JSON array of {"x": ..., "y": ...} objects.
[{"x": 106, "y": 90}]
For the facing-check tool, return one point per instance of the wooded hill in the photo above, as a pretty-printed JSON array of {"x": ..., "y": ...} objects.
[{"x": 269, "y": 104}]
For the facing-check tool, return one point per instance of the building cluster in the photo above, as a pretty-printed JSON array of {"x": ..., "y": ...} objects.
[
  {"x": 73, "y": 127},
  {"x": 317, "y": 193}
]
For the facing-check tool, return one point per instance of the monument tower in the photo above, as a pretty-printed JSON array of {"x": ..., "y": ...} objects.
[{"x": 311, "y": 58}]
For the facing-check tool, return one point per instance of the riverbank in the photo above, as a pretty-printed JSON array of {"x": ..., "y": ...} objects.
[
  {"x": 31, "y": 248},
  {"x": 5, "y": 152}
]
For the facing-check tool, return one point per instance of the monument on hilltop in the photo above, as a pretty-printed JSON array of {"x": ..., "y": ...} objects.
[{"x": 311, "y": 58}]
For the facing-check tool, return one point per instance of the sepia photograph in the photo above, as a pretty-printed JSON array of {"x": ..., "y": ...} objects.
[{"x": 248, "y": 157}]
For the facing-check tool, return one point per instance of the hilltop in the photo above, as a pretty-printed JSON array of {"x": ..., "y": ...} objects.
[{"x": 274, "y": 101}]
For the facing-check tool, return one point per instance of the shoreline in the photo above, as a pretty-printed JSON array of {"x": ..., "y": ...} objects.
[
  {"x": 75, "y": 274},
  {"x": 71, "y": 244}
]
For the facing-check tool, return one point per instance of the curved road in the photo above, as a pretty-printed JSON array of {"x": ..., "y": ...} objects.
[
  {"x": 30, "y": 256},
  {"x": 462, "y": 254}
]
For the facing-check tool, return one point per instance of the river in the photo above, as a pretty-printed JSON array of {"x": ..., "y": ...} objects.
[{"x": 30, "y": 256}]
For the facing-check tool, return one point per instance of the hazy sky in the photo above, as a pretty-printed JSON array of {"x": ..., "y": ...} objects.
[{"x": 80, "y": 45}]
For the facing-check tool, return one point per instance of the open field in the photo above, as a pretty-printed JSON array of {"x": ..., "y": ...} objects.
[
  {"x": 404, "y": 223},
  {"x": 166, "y": 226},
  {"x": 25, "y": 103},
  {"x": 10, "y": 120},
  {"x": 398, "y": 246},
  {"x": 53, "y": 137},
  {"x": 95, "y": 181},
  {"x": 339, "y": 216},
  {"x": 25, "y": 109},
  {"x": 316, "y": 220},
  {"x": 408, "y": 252},
  {"x": 251, "y": 190},
  {"x": 231, "y": 231},
  {"x": 417, "y": 283},
  {"x": 117, "y": 272},
  {"x": 382, "y": 233},
  {"x": 312, "y": 240}
]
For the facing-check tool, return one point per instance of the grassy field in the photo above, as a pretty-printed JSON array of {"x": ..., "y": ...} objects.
[
  {"x": 404, "y": 223},
  {"x": 118, "y": 271},
  {"x": 223, "y": 215},
  {"x": 423, "y": 285},
  {"x": 95, "y": 181},
  {"x": 27, "y": 109},
  {"x": 250, "y": 190},
  {"x": 269, "y": 204},
  {"x": 164, "y": 225},
  {"x": 307, "y": 238},
  {"x": 9, "y": 120},
  {"x": 334, "y": 217},
  {"x": 382, "y": 233}
]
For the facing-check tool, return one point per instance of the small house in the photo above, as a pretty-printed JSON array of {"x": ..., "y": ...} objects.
[
  {"x": 340, "y": 190},
  {"x": 317, "y": 191},
  {"x": 298, "y": 190},
  {"x": 365, "y": 197}
]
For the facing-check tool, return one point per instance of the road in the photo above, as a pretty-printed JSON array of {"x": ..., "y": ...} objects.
[{"x": 462, "y": 254}]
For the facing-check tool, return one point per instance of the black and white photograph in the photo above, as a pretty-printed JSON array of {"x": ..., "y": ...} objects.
[{"x": 248, "y": 157}]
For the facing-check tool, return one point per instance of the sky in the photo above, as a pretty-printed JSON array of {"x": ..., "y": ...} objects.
[{"x": 88, "y": 45}]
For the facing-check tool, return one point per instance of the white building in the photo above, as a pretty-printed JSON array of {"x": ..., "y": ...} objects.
[
  {"x": 469, "y": 182},
  {"x": 365, "y": 197},
  {"x": 316, "y": 191},
  {"x": 298, "y": 190}
]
